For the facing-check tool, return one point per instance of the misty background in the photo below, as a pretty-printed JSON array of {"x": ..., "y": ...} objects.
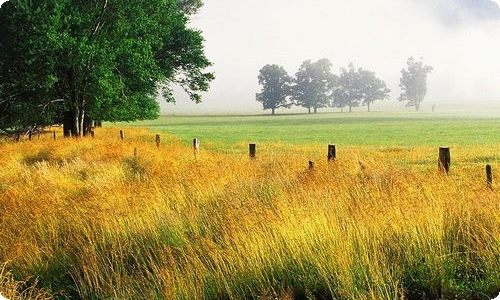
[{"x": 459, "y": 38}]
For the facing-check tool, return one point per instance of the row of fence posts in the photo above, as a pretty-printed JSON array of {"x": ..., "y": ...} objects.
[{"x": 444, "y": 161}]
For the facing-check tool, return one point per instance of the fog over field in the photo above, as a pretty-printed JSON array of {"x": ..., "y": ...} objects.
[{"x": 459, "y": 38}]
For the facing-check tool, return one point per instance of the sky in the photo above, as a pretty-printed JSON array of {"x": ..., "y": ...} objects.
[{"x": 459, "y": 38}]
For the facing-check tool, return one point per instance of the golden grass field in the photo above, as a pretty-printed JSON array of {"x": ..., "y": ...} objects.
[{"x": 82, "y": 218}]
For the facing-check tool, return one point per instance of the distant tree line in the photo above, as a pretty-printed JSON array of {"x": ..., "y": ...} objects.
[{"x": 315, "y": 86}]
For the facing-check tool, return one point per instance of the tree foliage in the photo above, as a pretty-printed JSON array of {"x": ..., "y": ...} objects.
[
  {"x": 190, "y": 7},
  {"x": 358, "y": 87},
  {"x": 276, "y": 88},
  {"x": 348, "y": 91},
  {"x": 413, "y": 83},
  {"x": 314, "y": 83},
  {"x": 101, "y": 59},
  {"x": 372, "y": 87}
]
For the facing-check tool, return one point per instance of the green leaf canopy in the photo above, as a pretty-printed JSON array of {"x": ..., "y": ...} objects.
[{"x": 103, "y": 59}]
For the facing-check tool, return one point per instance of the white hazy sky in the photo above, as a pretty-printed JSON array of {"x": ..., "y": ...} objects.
[{"x": 244, "y": 35}]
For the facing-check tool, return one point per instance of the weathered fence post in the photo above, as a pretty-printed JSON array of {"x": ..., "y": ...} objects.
[
  {"x": 54, "y": 135},
  {"x": 122, "y": 135},
  {"x": 444, "y": 159},
  {"x": 196, "y": 144},
  {"x": 489, "y": 176},
  {"x": 158, "y": 140},
  {"x": 332, "y": 152},
  {"x": 252, "y": 150},
  {"x": 311, "y": 165}
]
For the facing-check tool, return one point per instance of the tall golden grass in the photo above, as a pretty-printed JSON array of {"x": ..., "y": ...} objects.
[{"x": 82, "y": 218}]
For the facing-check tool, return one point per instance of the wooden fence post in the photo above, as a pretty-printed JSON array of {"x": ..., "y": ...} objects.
[
  {"x": 30, "y": 135},
  {"x": 332, "y": 152},
  {"x": 122, "y": 135},
  {"x": 196, "y": 144},
  {"x": 252, "y": 150},
  {"x": 311, "y": 165},
  {"x": 135, "y": 152},
  {"x": 54, "y": 135},
  {"x": 489, "y": 176},
  {"x": 444, "y": 159},
  {"x": 92, "y": 134},
  {"x": 158, "y": 140}
]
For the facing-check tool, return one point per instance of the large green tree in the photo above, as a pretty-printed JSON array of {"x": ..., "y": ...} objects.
[
  {"x": 314, "y": 84},
  {"x": 69, "y": 60},
  {"x": 276, "y": 88},
  {"x": 414, "y": 83}
]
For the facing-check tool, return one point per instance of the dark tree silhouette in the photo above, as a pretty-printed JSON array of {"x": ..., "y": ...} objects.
[{"x": 276, "y": 88}]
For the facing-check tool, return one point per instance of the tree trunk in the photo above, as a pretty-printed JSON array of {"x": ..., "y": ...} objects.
[
  {"x": 417, "y": 106},
  {"x": 368, "y": 106},
  {"x": 274, "y": 111},
  {"x": 315, "y": 110},
  {"x": 76, "y": 121},
  {"x": 69, "y": 127},
  {"x": 341, "y": 109},
  {"x": 350, "y": 108},
  {"x": 88, "y": 124},
  {"x": 81, "y": 123},
  {"x": 309, "y": 108}
]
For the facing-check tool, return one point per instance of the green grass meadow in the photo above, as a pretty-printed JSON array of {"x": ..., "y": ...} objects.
[{"x": 356, "y": 129}]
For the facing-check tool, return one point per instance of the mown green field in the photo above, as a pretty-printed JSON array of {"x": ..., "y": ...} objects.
[{"x": 364, "y": 129}]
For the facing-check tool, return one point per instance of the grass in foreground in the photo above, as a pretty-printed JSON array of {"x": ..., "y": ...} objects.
[{"x": 86, "y": 219}]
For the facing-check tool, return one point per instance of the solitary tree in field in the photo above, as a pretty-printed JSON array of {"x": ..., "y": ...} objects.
[
  {"x": 73, "y": 61},
  {"x": 372, "y": 88},
  {"x": 276, "y": 88},
  {"x": 313, "y": 85},
  {"x": 414, "y": 83}
]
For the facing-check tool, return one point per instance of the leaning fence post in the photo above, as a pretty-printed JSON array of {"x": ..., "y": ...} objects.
[
  {"x": 332, "y": 152},
  {"x": 122, "y": 135},
  {"x": 444, "y": 159},
  {"x": 489, "y": 176},
  {"x": 252, "y": 150},
  {"x": 158, "y": 140}
]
